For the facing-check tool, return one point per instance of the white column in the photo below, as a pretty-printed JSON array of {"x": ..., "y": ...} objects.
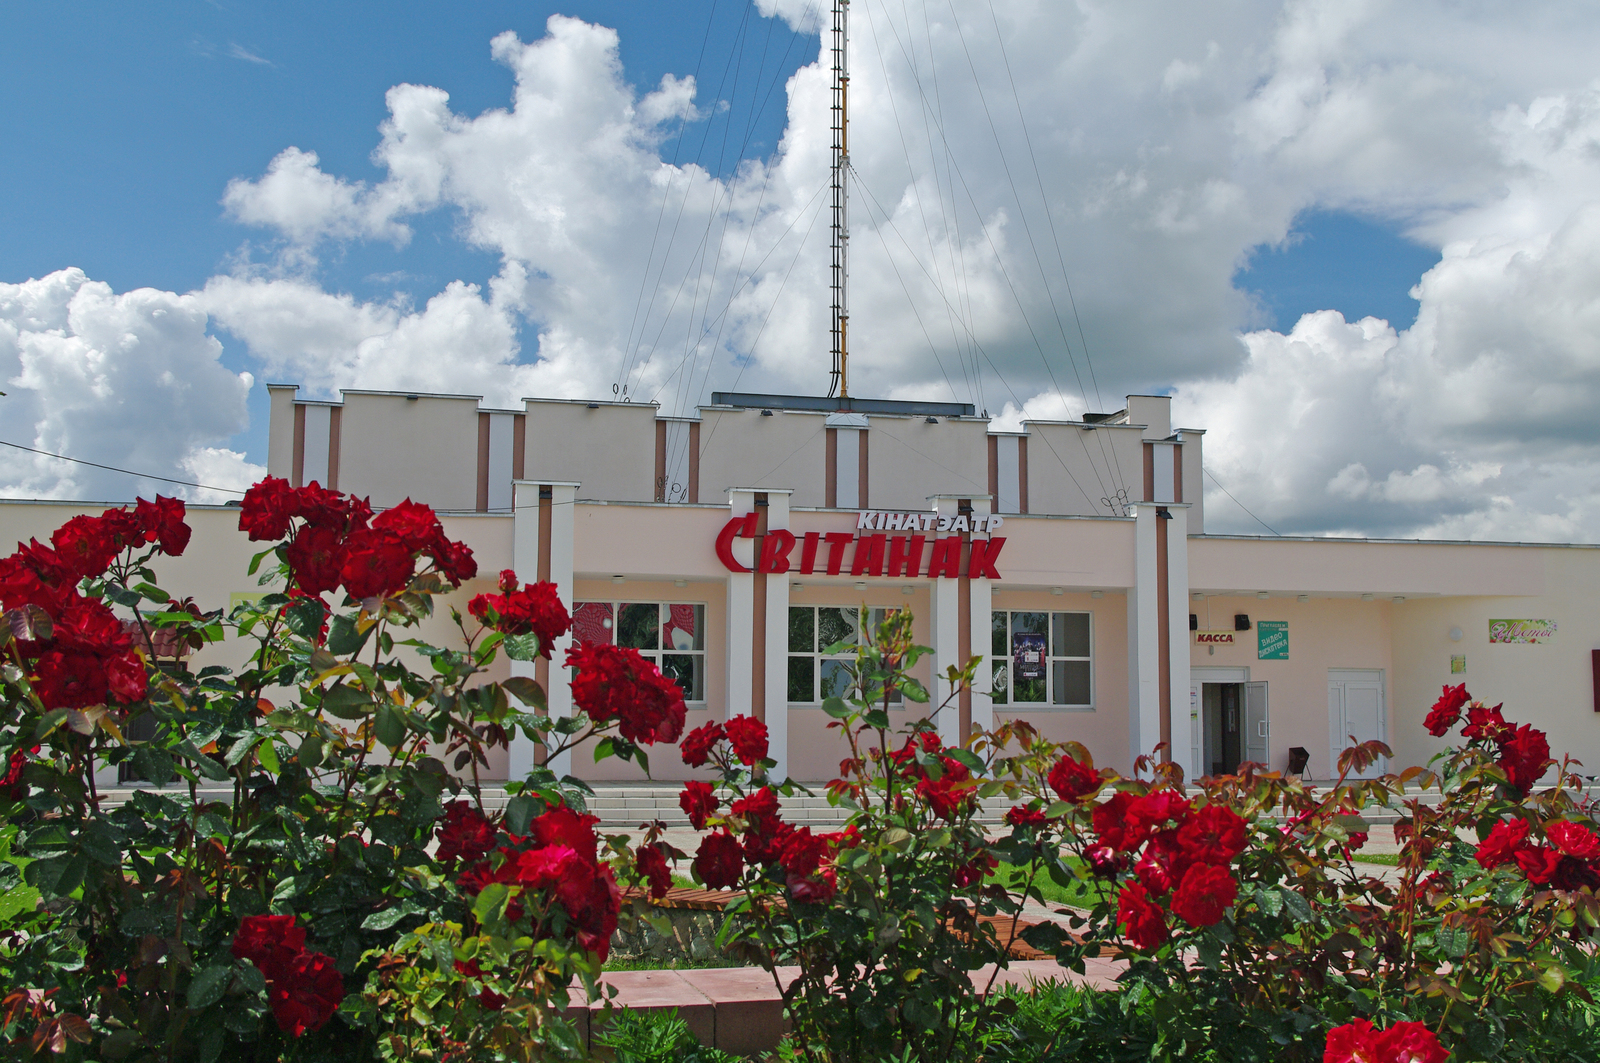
[
  {"x": 525, "y": 552},
  {"x": 1178, "y": 637},
  {"x": 777, "y": 647},
  {"x": 1144, "y": 639},
  {"x": 944, "y": 602},
  {"x": 740, "y": 653},
  {"x": 981, "y": 598}
]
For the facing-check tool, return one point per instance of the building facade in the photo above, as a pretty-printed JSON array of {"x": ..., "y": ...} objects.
[{"x": 736, "y": 546}]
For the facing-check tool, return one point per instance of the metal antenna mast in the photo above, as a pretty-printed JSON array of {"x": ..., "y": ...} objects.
[{"x": 840, "y": 382}]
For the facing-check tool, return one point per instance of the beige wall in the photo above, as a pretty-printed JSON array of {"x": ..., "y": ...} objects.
[
  {"x": 741, "y": 448},
  {"x": 280, "y": 430},
  {"x": 651, "y": 539},
  {"x": 909, "y": 459},
  {"x": 609, "y": 451},
  {"x": 1549, "y": 685},
  {"x": 1071, "y": 468},
  {"x": 392, "y": 447},
  {"x": 1355, "y": 566}
]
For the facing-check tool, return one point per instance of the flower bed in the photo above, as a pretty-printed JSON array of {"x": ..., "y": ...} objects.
[{"x": 348, "y": 894}]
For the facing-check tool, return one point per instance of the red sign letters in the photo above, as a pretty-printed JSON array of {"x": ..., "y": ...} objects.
[{"x": 896, "y": 556}]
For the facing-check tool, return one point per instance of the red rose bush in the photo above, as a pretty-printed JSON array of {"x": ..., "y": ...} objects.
[{"x": 320, "y": 882}]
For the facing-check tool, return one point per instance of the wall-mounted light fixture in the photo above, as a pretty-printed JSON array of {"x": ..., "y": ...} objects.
[
  {"x": 1456, "y": 634},
  {"x": 1097, "y": 594},
  {"x": 1302, "y": 598},
  {"x": 1058, "y": 590},
  {"x": 619, "y": 579},
  {"x": 1263, "y": 595},
  {"x": 1366, "y": 597}
]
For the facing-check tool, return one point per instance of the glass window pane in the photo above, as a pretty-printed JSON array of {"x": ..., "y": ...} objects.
[
  {"x": 638, "y": 626},
  {"x": 802, "y": 630},
  {"x": 802, "y": 672},
  {"x": 591, "y": 622},
  {"x": 1028, "y": 691},
  {"x": 1000, "y": 671},
  {"x": 835, "y": 679},
  {"x": 1070, "y": 635},
  {"x": 688, "y": 670},
  {"x": 684, "y": 628},
  {"x": 835, "y": 625},
  {"x": 1030, "y": 623},
  {"x": 999, "y": 639},
  {"x": 1071, "y": 681}
]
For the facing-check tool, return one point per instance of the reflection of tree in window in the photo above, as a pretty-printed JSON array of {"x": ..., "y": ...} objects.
[{"x": 1068, "y": 680}]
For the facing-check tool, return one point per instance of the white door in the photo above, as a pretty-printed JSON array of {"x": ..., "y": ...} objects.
[
  {"x": 1356, "y": 714},
  {"x": 1198, "y": 677},
  {"x": 1256, "y": 731}
]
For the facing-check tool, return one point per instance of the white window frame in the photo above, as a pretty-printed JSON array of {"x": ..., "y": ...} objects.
[
  {"x": 999, "y": 662},
  {"x": 875, "y": 615},
  {"x": 656, "y": 654}
]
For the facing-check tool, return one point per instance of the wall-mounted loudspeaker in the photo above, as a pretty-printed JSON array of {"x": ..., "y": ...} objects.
[{"x": 1241, "y": 622}]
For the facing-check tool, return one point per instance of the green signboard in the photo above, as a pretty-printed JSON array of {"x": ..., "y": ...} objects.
[{"x": 1272, "y": 640}]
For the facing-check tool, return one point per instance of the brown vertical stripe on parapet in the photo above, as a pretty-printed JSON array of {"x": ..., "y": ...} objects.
[
  {"x": 1165, "y": 639},
  {"x": 994, "y": 471},
  {"x": 541, "y": 573},
  {"x": 1177, "y": 473},
  {"x": 861, "y": 463},
  {"x": 483, "y": 462},
  {"x": 830, "y": 455},
  {"x": 661, "y": 461},
  {"x": 1149, "y": 473},
  {"x": 694, "y": 462},
  {"x": 297, "y": 471},
  {"x": 1022, "y": 474},
  {"x": 335, "y": 424},
  {"x": 758, "y": 638},
  {"x": 519, "y": 444}
]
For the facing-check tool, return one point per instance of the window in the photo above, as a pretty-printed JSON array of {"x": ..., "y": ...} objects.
[
  {"x": 671, "y": 634},
  {"x": 1042, "y": 659},
  {"x": 814, "y": 675}
]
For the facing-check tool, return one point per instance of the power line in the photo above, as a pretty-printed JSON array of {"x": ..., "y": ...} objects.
[
  {"x": 1240, "y": 504},
  {"x": 125, "y": 472}
]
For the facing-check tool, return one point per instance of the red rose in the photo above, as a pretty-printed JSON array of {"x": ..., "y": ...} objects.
[
  {"x": 759, "y": 810},
  {"x": 415, "y": 524},
  {"x": 455, "y": 560},
  {"x": 1141, "y": 920},
  {"x": 266, "y": 940},
  {"x": 617, "y": 683},
  {"x": 1573, "y": 839},
  {"x": 1027, "y": 816},
  {"x": 699, "y": 801},
  {"x": 267, "y": 509},
  {"x": 697, "y": 744},
  {"x": 563, "y": 826},
  {"x": 1149, "y": 813},
  {"x": 465, "y": 834},
  {"x": 124, "y": 529},
  {"x": 83, "y": 544},
  {"x": 162, "y": 523},
  {"x": 316, "y": 558},
  {"x": 952, "y": 793},
  {"x": 1110, "y": 821},
  {"x": 322, "y": 508},
  {"x": 652, "y": 865},
  {"x": 803, "y": 852},
  {"x": 304, "y": 992},
  {"x": 1408, "y": 1042},
  {"x": 125, "y": 677},
  {"x": 593, "y": 900},
  {"x": 487, "y": 997},
  {"x": 1354, "y": 1042},
  {"x": 542, "y": 868},
  {"x": 88, "y": 625},
  {"x": 12, "y": 787},
  {"x": 21, "y": 584},
  {"x": 1204, "y": 895},
  {"x": 1446, "y": 711},
  {"x": 1073, "y": 779},
  {"x": 1523, "y": 756},
  {"x": 1214, "y": 835},
  {"x": 748, "y": 736},
  {"x": 1484, "y": 723},
  {"x": 720, "y": 861},
  {"x": 1539, "y": 863},
  {"x": 1158, "y": 867},
  {"x": 906, "y": 756},
  {"x": 70, "y": 679},
  {"x": 1508, "y": 837},
  {"x": 536, "y": 608},
  {"x": 376, "y": 564},
  {"x": 973, "y": 871},
  {"x": 817, "y": 889}
]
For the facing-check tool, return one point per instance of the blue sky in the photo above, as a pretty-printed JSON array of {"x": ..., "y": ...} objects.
[{"x": 1222, "y": 182}]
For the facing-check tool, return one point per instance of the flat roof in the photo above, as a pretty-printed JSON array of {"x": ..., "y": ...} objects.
[{"x": 754, "y": 401}]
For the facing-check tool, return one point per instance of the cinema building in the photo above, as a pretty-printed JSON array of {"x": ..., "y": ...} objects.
[{"x": 733, "y": 547}]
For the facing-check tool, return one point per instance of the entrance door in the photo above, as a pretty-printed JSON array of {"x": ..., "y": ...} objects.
[
  {"x": 1218, "y": 743},
  {"x": 1356, "y": 711},
  {"x": 1256, "y": 731}
]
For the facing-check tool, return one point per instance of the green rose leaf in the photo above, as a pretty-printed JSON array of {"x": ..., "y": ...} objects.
[
  {"x": 522, "y": 647},
  {"x": 207, "y": 986}
]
